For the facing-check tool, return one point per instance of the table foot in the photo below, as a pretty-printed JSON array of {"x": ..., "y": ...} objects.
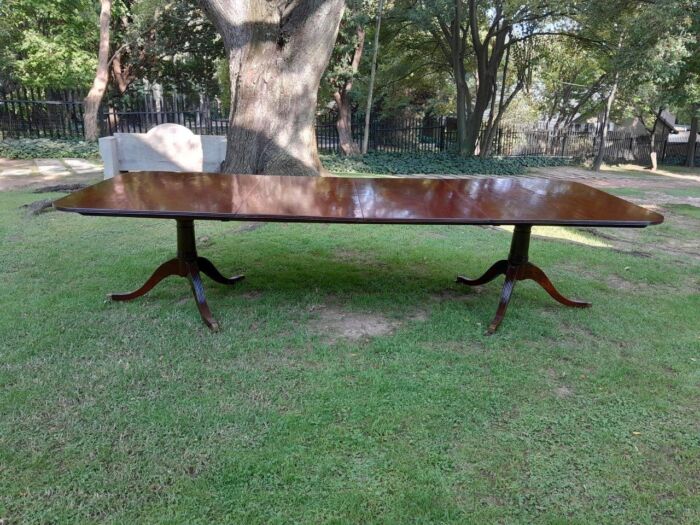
[
  {"x": 168, "y": 268},
  {"x": 518, "y": 268},
  {"x": 200, "y": 298},
  {"x": 536, "y": 274},
  {"x": 187, "y": 264},
  {"x": 498, "y": 268},
  {"x": 208, "y": 269},
  {"x": 506, "y": 292}
]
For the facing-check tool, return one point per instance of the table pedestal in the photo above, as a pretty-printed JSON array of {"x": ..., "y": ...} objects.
[
  {"x": 518, "y": 268},
  {"x": 187, "y": 264}
]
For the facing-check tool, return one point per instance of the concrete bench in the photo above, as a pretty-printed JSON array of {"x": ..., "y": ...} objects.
[{"x": 167, "y": 147}]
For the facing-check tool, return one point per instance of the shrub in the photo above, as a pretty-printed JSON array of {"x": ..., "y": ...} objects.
[
  {"x": 437, "y": 163},
  {"x": 47, "y": 149}
]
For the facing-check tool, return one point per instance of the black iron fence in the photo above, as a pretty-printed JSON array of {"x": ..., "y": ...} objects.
[{"x": 33, "y": 113}]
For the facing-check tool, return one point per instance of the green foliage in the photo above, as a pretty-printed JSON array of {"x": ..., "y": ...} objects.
[
  {"x": 49, "y": 43},
  {"x": 436, "y": 163},
  {"x": 173, "y": 43},
  {"x": 339, "y": 71},
  {"x": 47, "y": 149},
  {"x": 569, "y": 81},
  {"x": 223, "y": 76}
]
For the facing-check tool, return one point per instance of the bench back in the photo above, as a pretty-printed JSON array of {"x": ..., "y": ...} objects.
[{"x": 167, "y": 147}]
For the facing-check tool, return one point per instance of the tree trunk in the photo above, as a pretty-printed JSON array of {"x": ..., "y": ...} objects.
[
  {"x": 346, "y": 143},
  {"x": 476, "y": 118},
  {"x": 99, "y": 85},
  {"x": 603, "y": 131},
  {"x": 122, "y": 76},
  {"x": 372, "y": 76},
  {"x": 692, "y": 139},
  {"x": 277, "y": 52},
  {"x": 652, "y": 152},
  {"x": 463, "y": 104},
  {"x": 462, "y": 111},
  {"x": 488, "y": 54}
]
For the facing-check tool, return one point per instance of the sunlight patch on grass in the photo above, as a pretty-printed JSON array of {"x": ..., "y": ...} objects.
[
  {"x": 564, "y": 234},
  {"x": 675, "y": 172}
]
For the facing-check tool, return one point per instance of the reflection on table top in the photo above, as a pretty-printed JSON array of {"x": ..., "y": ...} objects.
[{"x": 495, "y": 200}]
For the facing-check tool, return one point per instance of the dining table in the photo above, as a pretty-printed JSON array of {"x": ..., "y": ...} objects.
[{"x": 521, "y": 202}]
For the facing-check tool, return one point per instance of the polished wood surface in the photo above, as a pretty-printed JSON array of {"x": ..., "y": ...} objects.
[{"x": 496, "y": 200}]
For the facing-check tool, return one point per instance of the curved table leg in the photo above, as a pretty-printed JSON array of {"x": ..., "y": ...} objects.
[
  {"x": 168, "y": 268},
  {"x": 198, "y": 292},
  {"x": 506, "y": 292},
  {"x": 208, "y": 269},
  {"x": 498, "y": 268},
  {"x": 187, "y": 264},
  {"x": 530, "y": 271},
  {"x": 518, "y": 268}
]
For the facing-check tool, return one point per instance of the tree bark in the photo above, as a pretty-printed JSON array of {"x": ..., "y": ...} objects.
[
  {"x": 692, "y": 139},
  {"x": 372, "y": 76},
  {"x": 99, "y": 85},
  {"x": 489, "y": 54},
  {"x": 346, "y": 143},
  {"x": 277, "y": 52},
  {"x": 603, "y": 131},
  {"x": 122, "y": 75},
  {"x": 463, "y": 103}
]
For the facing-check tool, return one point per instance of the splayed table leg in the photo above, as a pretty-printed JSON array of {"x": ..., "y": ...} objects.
[
  {"x": 189, "y": 265},
  {"x": 518, "y": 268}
]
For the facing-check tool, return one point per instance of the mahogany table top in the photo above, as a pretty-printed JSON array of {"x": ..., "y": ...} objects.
[{"x": 495, "y": 200}]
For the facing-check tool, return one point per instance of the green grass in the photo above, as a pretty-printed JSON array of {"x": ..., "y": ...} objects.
[
  {"x": 136, "y": 413},
  {"x": 686, "y": 209}
]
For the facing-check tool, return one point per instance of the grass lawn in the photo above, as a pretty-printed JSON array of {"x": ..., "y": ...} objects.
[{"x": 351, "y": 381}]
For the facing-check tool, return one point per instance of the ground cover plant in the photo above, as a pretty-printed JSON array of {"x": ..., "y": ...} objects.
[
  {"x": 431, "y": 163},
  {"x": 351, "y": 381},
  {"x": 47, "y": 148}
]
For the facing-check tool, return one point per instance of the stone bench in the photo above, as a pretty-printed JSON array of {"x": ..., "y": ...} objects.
[{"x": 167, "y": 147}]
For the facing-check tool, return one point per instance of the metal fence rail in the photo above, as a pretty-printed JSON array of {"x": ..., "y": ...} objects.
[{"x": 35, "y": 113}]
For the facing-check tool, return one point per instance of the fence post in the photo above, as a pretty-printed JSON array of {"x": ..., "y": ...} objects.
[
  {"x": 663, "y": 151},
  {"x": 563, "y": 144},
  {"x": 443, "y": 133}
]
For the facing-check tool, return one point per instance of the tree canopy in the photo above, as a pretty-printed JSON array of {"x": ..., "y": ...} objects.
[{"x": 555, "y": 63}]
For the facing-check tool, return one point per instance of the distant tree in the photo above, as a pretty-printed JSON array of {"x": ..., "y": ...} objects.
[
  {"x": 569, "y": 82},
  {"x": 629, "y": 51},
  {"x": 48, "y": 43},
  {"x": 372, "y": 74},
  {"x": 686, "y": 86},
  {"x": 343, "y": 69},
  {"x": 99, "y": 85},
  {"x": 172, "y": 43},
  {"x": 477, "y": 38}
]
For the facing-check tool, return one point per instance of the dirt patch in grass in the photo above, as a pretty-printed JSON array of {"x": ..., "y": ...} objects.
[
  {"x": 562, "y": 392},
  {"x": 335, "y": 323},
  {"x": 248, "y": 227},
  {"x": 364, "y": 257}
]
